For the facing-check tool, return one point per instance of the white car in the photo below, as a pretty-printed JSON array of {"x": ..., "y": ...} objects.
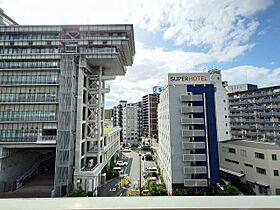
[
  {"x": 121, "y": 163},
  {"x": 126, "y": 150}
]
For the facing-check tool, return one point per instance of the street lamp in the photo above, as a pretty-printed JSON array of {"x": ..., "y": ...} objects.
[{"x": 140, "y": 173}]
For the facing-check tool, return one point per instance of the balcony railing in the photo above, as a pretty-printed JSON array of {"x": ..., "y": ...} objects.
[
  {"x": 192, "y": 121},
  {"x": 193, "y": 145},
  {"x": 195, "y": 182},
  {"x": 191, "y": 109},
  {"x": 187, "y": 98},
  {"x": 195, "y": 170},
  {"x": 194, "y": 157},
  {"x": 192, "y": 133}
]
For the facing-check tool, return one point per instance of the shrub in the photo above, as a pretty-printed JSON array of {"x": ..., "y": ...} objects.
[{"x": 79, "y": 193}]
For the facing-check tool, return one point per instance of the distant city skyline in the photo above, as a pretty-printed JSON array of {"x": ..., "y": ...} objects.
[{"x": 241, "y": 38}]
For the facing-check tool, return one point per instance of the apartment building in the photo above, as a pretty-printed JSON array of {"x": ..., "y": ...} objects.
[
  {"x": 254, "y": 112},
  {"x": 192, "y": 115},
  {"x": 130, "y": 124},
  {"x": 150, "y": 116},
  {"x": 52, "y": 95},
  {"x": 254, "y": 166},
  {"x": 109, "y": 114}
]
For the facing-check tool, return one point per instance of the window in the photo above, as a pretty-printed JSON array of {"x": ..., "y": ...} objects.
[
  {"x": 259, "y": 155},
  {"x": 261, "y": 170},
  {"x": 225, "y": 116},
  {"x": 248, "y": 165},
  {"x": 228, "y": 150},
  {"x": 243, "y": 153},
  {"x": 274, "y": 157},
  {"x": 231, "y": 161},
  {"x": 276, "y": 172}
]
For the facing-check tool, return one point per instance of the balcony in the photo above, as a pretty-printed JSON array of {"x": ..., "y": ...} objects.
[
  {"x": 192, "y": 121},
  {"x": 195, "y": 183},
  {"x": 193, "y": 145},
  {"x": 188, "y": 98},
  {"x": 195, "y": 170},
  {"x": 193, "y": 133},
  {"x": 194, "y": 157},
  {"x": 191, "y": 109},
  {"x": 275, "y": 100}
]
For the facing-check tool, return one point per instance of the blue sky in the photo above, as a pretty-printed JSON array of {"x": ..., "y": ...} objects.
[{"x": 240, "y": 37}]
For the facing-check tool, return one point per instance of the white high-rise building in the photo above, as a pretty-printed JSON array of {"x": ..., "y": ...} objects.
[
  {"x": 193, "y": 116},
  {"x": 130, "y": 123},
  {"x": 221, "y": 105}
]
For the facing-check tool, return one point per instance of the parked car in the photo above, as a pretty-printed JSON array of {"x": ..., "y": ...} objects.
[
  {"x": 153, "y": 179},
  {"x": 150, "y": 169},
  {"x": 121, "y": 163},
  {"x": 118, "y": 169},
  {"x": 126, "y": 150}
]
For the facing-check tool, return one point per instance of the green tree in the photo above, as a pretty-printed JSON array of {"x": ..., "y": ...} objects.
[
  {"x": 79, "y": 193},
  {"x": 156, "y": 189},
  {"x": 229, "y": 190}
]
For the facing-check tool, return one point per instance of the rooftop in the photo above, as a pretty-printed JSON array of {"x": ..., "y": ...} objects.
[{"x": 254, "y": 144}]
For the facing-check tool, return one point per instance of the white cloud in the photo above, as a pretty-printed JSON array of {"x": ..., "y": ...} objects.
[
  {"x": 252, "y": 74},
  {"x": 222, "y": 27}
]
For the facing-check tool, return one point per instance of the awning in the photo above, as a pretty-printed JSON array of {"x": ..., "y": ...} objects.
[
  {"x": 239, "y": 175},
  {"x": 262, "y": 184}
]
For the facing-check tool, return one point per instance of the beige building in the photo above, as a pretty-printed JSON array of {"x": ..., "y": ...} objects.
[{"x": 254, "y": 163}]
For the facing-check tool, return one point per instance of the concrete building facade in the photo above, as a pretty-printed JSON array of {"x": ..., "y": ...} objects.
[
  {"x": 251, "y": 164},
  {"x": 52, "y": 93},
  {"x": 150, "y": 115},
  {"x": 189, "y": 128},
  {"x": 131, "y": 124},
  {"x": 254, "y": 113}
]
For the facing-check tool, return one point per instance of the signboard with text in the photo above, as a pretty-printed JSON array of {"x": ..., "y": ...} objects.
[{"x": 188, "y": 78}]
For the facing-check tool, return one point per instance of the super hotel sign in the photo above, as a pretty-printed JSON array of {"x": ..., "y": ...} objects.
[{"x": 191, "y": 78}]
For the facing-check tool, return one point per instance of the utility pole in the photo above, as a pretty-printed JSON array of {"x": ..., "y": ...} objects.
[{"x": 140, "y": 174}]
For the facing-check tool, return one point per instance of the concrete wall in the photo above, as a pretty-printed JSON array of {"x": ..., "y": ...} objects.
[
  {"x": 222, "y": 106},
  {"x": 250, "y": 172}
]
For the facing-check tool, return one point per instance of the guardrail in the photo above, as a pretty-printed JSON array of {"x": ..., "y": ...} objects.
[{"x": 153, "y": 203}]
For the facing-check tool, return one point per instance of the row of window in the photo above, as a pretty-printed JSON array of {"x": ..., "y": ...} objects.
[
  {"x": 258, "y": 170},
  {"x": 28, "y": 97},
  {"x": 243, "y": 153},
  {"x": 28, "y": 79},
  {"x": 27, "y": 36},
  {"x": 101, "y": 50},
  {"x": 27, "y": 115},
  {"x": 28, "y": 50},
  {"x": 20, "y": 134},
  {"x": 29, "y": 64}
]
